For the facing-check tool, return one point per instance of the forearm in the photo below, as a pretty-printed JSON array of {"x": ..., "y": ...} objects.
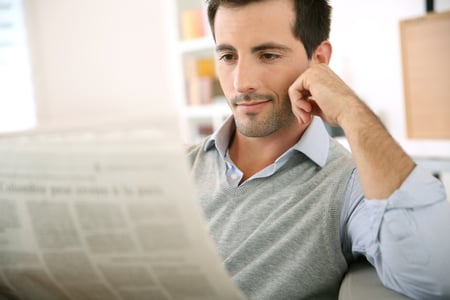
[{"x": 381, "y": 162}]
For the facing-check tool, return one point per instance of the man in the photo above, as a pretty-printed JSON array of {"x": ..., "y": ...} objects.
[{"x": 288, "y": 207}]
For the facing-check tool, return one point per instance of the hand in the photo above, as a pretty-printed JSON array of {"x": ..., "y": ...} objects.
[
  {"x": 382, "y": 164},
  {"x": 319, "y": 91}
]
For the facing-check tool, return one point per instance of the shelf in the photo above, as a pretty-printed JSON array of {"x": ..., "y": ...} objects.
[
  {"x": 196, "y": 45},
  {"x": 206, "y": 111},
  {"x": 199, "y": 119}
]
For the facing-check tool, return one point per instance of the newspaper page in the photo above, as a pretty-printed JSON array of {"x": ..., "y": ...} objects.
[{"x": 106, "y": 214}]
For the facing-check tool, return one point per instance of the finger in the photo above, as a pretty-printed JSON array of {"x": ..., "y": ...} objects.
[
  {"x": 304, "y": 105},
  {"x": 304, "y": 117},
  {"x": 302, "y": 110},
  {"x": 298, "y": 91}
]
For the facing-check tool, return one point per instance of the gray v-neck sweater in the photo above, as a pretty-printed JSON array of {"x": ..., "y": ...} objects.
[{"x": 278, "y": 236}]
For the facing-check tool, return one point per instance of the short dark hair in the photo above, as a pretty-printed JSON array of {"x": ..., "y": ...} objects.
[{"x": 312, "y": 21}]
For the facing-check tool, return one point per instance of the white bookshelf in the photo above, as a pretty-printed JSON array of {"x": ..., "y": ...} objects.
[
  {"x": 194, "y": 118},
  {"x": 197, "y": 45}
]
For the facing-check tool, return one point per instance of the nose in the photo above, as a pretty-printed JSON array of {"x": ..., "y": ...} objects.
[{"x": 245, "y": 77}]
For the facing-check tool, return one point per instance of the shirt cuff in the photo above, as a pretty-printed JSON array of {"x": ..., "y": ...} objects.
[{"x": 420, "y": 188}]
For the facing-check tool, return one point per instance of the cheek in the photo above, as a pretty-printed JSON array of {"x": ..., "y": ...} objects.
[
  {"x": 225, "y": 79},
  {"x": 282, "y": 81},
  {"x": 293, "y": 74}
]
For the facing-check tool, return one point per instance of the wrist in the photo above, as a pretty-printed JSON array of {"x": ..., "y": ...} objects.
[{"x": 355, "y": 113}]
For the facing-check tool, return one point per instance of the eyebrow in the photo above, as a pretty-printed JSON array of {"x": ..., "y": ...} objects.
[
  {"x": 271, "y": 46},
  {"x": 262, "y": 47},
  {"x": 224, "y": 47}
]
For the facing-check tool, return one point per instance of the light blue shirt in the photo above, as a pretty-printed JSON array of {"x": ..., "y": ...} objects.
[{"x": 406, "y": 237}]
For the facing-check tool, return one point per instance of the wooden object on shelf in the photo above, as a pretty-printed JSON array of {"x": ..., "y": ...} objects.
[{"x": 425, "y": 45}]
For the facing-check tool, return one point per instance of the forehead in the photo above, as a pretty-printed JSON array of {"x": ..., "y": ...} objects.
[{"x": 272, "y": 19}]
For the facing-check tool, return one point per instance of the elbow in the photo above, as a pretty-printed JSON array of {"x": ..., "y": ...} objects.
[
  {"x": 421, "y": 275},
  {"x": 414, "y": 258},
  {"x": 427, "y": 289}
]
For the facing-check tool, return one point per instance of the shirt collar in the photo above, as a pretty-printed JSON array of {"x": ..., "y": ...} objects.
[{"x": 314, "y": 142}]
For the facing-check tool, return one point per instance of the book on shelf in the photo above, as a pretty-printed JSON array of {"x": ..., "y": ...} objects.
[
  {"x": 193, "y": 24},
  {"x": 199, "y": 67},
  {"x": 204, "y": 130},
  {"x": 202, "y": 85}
]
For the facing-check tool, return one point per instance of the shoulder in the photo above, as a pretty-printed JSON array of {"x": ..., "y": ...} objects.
[
  {"x": 338, "y": 154},
  {"x": 195, "y": 150}
]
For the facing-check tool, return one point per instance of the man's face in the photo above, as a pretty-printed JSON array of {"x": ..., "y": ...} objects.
[{"x": 258, "y": 58}]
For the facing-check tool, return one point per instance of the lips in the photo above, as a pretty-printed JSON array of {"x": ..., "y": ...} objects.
[
  {"x": 251, "y": 98},
  {"x": 251, "y": 103},
  {"x": 251, "y": 106}
]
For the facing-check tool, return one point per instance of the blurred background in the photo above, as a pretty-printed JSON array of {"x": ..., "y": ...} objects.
[
  {"x": 64, "y": 60},
  {"x": 67, "y": 63}
]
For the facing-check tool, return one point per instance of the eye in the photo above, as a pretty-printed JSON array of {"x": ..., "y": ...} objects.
[
  {"x": 270, "y": 56},
  {"x": 227, "y": 57}
]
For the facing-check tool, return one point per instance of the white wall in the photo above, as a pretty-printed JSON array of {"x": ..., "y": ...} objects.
[
  {"x": 101, "y": 60},
  {"x": 17, "y": 111},
  {"x": 366, "y": 52}
]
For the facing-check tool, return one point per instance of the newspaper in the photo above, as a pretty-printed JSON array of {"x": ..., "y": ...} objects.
[{"x": 106, "y": 214}]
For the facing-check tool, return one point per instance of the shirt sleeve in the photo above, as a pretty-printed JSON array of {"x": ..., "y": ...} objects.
[{"x": 405, "y": 237}]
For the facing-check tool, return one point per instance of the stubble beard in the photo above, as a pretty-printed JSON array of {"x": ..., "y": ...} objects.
[{"x": 258, "y": 125}]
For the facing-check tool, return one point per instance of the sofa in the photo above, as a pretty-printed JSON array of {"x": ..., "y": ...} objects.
[{"x": 362, "y": 282}]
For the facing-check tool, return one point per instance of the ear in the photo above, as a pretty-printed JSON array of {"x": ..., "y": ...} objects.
[{"x": 322, "y": 54}]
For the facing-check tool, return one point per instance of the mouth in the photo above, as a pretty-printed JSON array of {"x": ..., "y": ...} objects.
[
  {"x": 252, "y": 106},
  {"x": 251, "y": 99},
  {"x": 251, "y": 103}
]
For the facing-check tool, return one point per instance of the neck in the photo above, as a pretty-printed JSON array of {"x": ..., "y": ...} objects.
[{"x": 252, "y": 154}]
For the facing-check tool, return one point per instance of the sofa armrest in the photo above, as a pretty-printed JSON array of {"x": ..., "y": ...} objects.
[{"x": 362, "y": 282}]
